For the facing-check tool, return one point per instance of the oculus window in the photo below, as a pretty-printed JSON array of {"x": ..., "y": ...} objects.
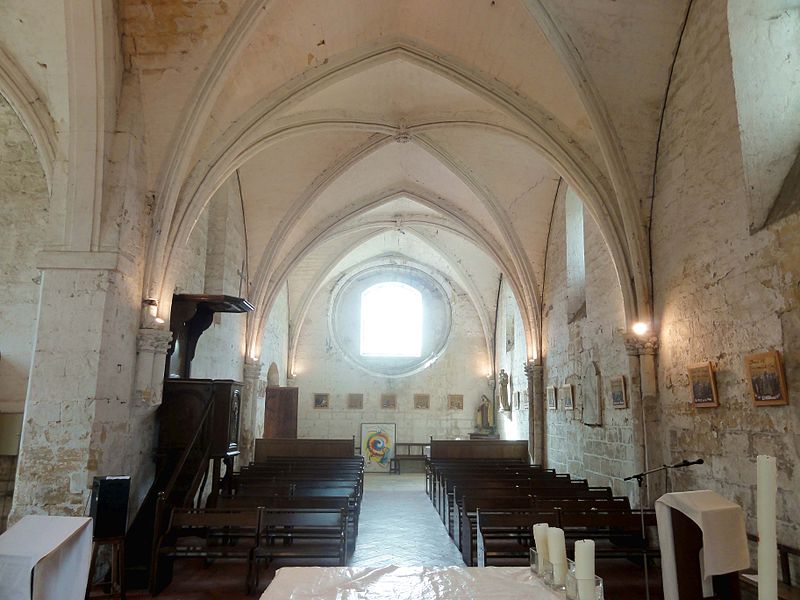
[{"x": 391, "y": 320}]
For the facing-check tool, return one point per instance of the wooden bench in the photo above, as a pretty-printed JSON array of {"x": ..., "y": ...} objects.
[
  {"x": 617, "y": 534},
  {"x": 505, "y": 537},
  {"x": 208, "y": 533},
  {"x": 407, "y": 451},
  {"x": 306, "y": 535}
]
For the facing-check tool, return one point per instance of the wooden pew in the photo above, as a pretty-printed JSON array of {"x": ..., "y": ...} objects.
[
  {"x": 505, "y": 537},
  {"x": 208, "y": 533},
  {"x": 307, "y": 535}
]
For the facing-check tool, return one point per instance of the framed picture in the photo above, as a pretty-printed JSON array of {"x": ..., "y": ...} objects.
[
  {"x": 552, "y": 402},
  {"x": 516, "y": 399},
  {"x": 567, "y": 396},
  {"x": 377, "y": 446},
  {"x": 389, "y": 401},
  {"x": 355, "y": 401},
  {"x": 767, "y": 382},
  {"x": 703, "y": 385},
  {"x": 322, "y": 400},
  {"x": 619, "y": 395},
  {"x": 455, "y": 402},
  {"x": 422, "y": 401}
]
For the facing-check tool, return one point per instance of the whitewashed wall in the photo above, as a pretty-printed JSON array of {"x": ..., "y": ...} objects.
[{"x": 321, "y": 368}]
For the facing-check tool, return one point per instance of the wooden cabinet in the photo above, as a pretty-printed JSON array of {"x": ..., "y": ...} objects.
[{"x": 185, "y": 401}]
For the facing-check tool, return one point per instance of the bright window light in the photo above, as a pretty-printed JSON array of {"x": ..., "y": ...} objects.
[{"x": 391, "y": 321}]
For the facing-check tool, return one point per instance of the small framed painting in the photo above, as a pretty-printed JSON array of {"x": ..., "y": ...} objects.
[
  {"x": 703, "y": 385},
  {"x": 767, "y": 382},
  {"x": 619, "y": 395},
  {"x": 422, "y": 401},
  {"x": 517, "y": 396},
  {"x": 355, "y": 401},
  {"x": 389, "y": 401},
  {"x": 322, "y": 400},
  {"x": 552, "y": 402},
  {"x": 567, "y": 396},
  {"x": 455, "y": 402}
]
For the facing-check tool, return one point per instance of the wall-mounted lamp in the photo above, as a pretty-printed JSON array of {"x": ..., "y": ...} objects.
[{"x": 640, "y": 328}]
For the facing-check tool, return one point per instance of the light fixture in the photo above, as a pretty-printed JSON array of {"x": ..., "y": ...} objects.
[{"x": 640, "y": 328}]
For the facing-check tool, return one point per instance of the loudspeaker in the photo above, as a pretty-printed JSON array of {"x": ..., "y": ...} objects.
[{"x": 109, "y": 507}]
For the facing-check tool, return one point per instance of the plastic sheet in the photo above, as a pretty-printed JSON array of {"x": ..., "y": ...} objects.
[{"x": 407, "y": 583}]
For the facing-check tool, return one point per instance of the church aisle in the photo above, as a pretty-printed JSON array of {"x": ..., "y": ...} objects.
[{"x": 399, "y": 525}]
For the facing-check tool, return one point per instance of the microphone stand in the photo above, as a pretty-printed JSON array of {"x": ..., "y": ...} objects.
[{"x": 639, "y": 477}]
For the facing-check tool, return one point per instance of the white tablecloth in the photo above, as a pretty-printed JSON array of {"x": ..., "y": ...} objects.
[
  {"x": 724, "y": 536},
  {"x": 53, "y": 551},
  {"x": 407, "y": 583}
]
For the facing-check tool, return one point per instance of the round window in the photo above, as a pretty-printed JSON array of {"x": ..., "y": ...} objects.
[{"x": 391, "y": 320}]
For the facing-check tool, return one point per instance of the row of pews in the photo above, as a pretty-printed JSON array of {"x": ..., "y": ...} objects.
[
  {"x": 489, "y": 505},
  {"x": 303, "y": 509}
]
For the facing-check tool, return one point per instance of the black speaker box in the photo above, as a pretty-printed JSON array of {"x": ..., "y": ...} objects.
[{"x": 109, "y": 507}]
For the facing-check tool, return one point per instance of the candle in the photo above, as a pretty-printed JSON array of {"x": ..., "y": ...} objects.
[
  {"x": 766, "y": 475},
  {"x": 557, "y": 550},
  {"x": 584, "y": 569},
  {"x": 540, "y": 539}
]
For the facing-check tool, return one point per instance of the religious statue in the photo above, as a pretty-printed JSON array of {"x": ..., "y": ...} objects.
[
  {"x": 484, "y": 415},
  {"x": 503, "y": 379}
]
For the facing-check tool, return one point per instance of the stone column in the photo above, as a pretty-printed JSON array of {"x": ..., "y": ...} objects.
[
  {"x": 253, "y": 384},
  {"x": 534, "y": 371},
  {"x": 78, "y": 415},
  {"x": 151, "y": 347},
  {"x": 643, "y": 396}
]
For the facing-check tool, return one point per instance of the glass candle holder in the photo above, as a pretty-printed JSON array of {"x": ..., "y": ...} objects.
[
  {"x": 583, "y": 589},
  {"x": 546, "y": 573},
  {"x": 534, "y": 561},
  {"x": 558, "y": 575}
]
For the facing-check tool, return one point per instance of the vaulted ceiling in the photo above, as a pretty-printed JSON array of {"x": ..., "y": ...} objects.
[{"x": 354, "y": 126}]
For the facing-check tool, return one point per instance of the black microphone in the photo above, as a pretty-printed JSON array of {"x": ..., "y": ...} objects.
[{"x": 687, "y": 463}]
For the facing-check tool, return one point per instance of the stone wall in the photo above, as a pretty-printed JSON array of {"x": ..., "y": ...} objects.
[
  {"x": 720, "y": 292},
  {"x": 23, "y": 218},
  {"x": 602, "y": 454},
  {"x": 321, "y": 368}
]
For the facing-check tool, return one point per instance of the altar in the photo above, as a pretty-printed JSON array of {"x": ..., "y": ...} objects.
[{"x": 407, "y": 583}]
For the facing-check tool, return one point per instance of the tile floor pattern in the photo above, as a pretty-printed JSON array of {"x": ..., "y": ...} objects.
[{"x": 399, "y": 526}]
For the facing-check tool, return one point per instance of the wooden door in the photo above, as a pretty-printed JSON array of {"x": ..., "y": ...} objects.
[{"x": 280, "y": 413}]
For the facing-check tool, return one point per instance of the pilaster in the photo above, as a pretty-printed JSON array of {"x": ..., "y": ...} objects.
[
  {"x": 151, "y": 348},
  {"x": 254, "y": 382},
  {"x": 534, "y": 371}
]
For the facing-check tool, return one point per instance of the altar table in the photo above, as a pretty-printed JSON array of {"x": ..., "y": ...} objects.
[
  {"x": 45, "y": 557},
  {"x": 407, "y": 583}
]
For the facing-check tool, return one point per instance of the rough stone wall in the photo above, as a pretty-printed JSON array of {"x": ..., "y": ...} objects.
[
  {"x": 602, "y": 454},
  {"x": 512, "y": 354},
  {"x": 720, "y": 292},
  {"x": 321, "y": 368},
  {"x": 23, "y": 216}
]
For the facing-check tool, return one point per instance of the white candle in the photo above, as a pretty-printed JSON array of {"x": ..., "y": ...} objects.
[
  {"x": 767, "y": 479},
  {"x": 557, "y": 550},
  {"x": 540, "y": 540},
  {"x": 584, "y": 569}
]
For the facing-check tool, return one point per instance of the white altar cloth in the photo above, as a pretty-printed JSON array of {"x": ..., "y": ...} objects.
[
  {"x": 407, "y": 583},
  {"x": 46, "y": 558},
  {"x": 724, "y": 536}
]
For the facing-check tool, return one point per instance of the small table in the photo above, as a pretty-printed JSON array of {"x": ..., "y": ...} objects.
[
  {"x": 44, "y": 557},
  {"x": 428, "y": 583}
]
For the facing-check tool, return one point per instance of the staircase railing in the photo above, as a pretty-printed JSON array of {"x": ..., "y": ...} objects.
[{"x": 162, "y": 500}]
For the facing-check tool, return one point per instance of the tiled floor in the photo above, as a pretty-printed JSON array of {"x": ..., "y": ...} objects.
[{"x": 398, "y": 526}]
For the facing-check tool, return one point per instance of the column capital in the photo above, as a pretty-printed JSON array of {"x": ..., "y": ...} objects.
[
  {"x": 637, "y": 346},
  {"x": 533, "y": 368},
  {"x": 153, "y": 340}
]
